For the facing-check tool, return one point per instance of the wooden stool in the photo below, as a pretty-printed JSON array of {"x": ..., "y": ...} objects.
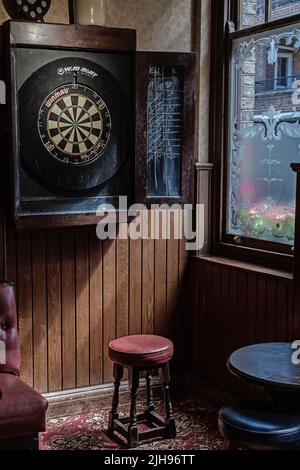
[{"x": 140, "y": 353}]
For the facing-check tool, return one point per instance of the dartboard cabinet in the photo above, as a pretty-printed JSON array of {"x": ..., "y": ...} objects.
[{"x": 79, "y": 132}]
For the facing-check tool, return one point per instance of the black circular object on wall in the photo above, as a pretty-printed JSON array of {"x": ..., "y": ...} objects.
[
  {"x": 33, "y": 10},
  {"x": 74, "y": 124}
]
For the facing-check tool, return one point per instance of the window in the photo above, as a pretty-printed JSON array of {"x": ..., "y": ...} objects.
[
  {"x": 255, "y": 12},
  {"x": 283, "y": 71},
  {"x": 259, "y": 138}
]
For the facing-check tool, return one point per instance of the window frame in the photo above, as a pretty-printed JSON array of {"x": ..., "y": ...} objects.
[
  {"x": 225, "y": 15},
  {"x": 289, "y": 70}
]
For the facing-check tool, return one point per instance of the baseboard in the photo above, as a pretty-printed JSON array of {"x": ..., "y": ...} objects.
[{"x": 91, "y": 399}]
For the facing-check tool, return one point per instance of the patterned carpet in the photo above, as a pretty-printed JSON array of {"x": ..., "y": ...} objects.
[{"x": 196, "y": 423}]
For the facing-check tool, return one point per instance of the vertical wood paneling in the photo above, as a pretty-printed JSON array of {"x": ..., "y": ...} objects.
[
  {"x": 261, "y": 309},
  {"x": 68, "y": 308},
  {"x": 281, "y": 317},
  {"x": 24, "y": 302},
  {"x": 11, "y": 256},
  {"x": 39, "y": 307},
  {"x": 76, "y": 293},
  {"x": 122, "y": 292},
  {"x": 233, "y": 296},
  {"x": 232, "y": 308},
  {"x": 96, "y": 311},
  {"x": 109, "y": 303},
  {"x": 160, "y": 277},
  {"x": 148, "y": 286},
  {"x": 135, "y": 286},
  {"x": 185, "y": 305},
  {"x": 271, "y": 309},
  {"x": 224, "y": 319},
  {"x": 82, "y": 308},
  {"x": 172, "y": 279},
  {"x": 54, "y": 310}
]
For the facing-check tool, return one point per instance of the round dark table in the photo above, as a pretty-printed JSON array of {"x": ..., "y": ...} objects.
[{"x": 270, "y": 365}]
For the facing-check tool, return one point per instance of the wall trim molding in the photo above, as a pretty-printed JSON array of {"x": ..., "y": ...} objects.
[{"x": 89, "y": 399}]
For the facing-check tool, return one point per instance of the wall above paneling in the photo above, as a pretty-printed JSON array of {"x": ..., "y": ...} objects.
[{"x": 162, "y": 25}]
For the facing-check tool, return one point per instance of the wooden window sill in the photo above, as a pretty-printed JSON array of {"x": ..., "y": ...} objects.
[{"x": 249, "y": 267}]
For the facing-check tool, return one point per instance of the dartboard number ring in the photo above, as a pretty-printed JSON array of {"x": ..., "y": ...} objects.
[{"x": 74, "y": 124}]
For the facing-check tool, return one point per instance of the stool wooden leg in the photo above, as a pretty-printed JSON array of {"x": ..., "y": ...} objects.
[
  {"x": 170, "y": 420},
  {"x": 118, "y": 374},
  {"x": 150, "y": 402},
  {"x": 133, "y": 437}
]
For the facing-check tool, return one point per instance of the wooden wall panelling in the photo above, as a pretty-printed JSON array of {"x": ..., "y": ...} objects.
[
  {"x": 216, "y": 347},
  {"x": 250, "y": 321},
  {"x": 184, "y": 310},
  {"x": 11, "y": 256},
  {"x": 261, "y": 305},
  {"x": 233, "y": 335},
  {"x": 109, "y": 303},
  {"x": 96, "y": 309},
  {"x": 39, "y": 308},
  {"x": 54, "y": 310},
  {"x": 76, "y": 293},
  {"x": 24, "y": 303},
  {"x": 271, "y": 309},
  {"x": 281, "y": 316},
  {"x": 68, "y": 289},
  {"x": 225, "y": 323},
  {"x": 148, "y": 284},
  {"x": 172, "y": 278},
  {"x": 160, "y": 279},
  {"x": 242, "y": 312},
  {"x": 122, "y": 288},
  {"x": 135, "y": 286},
  {"x": 291, "y": 327},
  {"x": 235, "y": 307},
  {"x": 82, "y": 308}
]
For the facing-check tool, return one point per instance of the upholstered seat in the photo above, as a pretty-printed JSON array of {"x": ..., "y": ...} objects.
[
  {"x": 141, "y": 351},
  {"x": 260, "y": 427},
  {"x": 22, "y": 410}
]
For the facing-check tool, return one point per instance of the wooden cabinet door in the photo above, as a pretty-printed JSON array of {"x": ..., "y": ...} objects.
[{"x": 165, "y": 127}]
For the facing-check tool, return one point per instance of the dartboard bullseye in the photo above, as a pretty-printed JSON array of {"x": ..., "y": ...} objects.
[{"x": 74, "y": 124}]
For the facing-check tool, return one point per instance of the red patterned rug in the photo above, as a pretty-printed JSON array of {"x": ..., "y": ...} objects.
[{"x": 196, "y": 423}]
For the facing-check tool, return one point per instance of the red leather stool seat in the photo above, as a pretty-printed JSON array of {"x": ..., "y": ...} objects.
[
  {"x": 141, "y": 351},
  {"x": 22, "y": 410}
]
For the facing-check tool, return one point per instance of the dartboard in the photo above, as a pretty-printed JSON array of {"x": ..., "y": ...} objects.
[{"x": 74, "y": 124}]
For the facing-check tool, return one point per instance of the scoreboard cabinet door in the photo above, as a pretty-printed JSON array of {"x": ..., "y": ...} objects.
[{"x": 165, "y": 128}]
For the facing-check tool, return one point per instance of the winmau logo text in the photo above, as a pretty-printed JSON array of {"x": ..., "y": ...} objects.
[
  {"x": 56, "y": 95},
  {"x": 78, "y": 70}
]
